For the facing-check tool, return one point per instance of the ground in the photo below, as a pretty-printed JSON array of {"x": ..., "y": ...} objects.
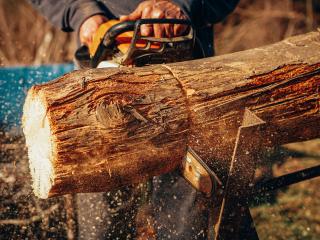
[
  {"x": 294, "y": 213},
  {"x": 22, "y": 215},
  {"x": 291, "y": 213}
]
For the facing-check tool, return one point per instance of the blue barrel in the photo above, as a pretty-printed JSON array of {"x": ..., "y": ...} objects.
[{"x": 14, "y": 84}]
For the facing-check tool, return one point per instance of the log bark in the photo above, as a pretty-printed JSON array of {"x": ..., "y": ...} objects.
[{"x": 98, "y": 129}]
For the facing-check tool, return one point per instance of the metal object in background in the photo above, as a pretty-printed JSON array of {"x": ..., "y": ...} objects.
[
  {"x": 286, "y": 180},
  {"x": 234, "y": 220}
]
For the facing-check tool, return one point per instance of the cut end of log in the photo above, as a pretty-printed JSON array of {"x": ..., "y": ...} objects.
[{"x": 37, "y": 130}]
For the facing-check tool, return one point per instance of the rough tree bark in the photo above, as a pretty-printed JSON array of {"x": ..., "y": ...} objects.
[{"x": 95, "y": 130}]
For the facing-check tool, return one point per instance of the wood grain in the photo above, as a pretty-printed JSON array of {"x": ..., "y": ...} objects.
[{"x": 125, "y": 125}]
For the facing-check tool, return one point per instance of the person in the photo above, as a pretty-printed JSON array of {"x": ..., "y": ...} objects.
[{"x": 166, "y": 207}]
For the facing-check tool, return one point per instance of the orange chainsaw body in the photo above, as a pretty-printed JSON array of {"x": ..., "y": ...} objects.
[
  {"x": 121, "y": 43},
  {"x": 123, "y": 40}
]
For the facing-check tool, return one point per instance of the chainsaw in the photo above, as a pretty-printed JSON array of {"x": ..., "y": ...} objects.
[{"x": 118, "y": 44}]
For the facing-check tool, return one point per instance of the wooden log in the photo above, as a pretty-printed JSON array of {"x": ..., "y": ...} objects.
[{"x": 96, "y": 130}]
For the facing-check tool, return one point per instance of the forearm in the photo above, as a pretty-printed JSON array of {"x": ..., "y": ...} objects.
[{"x": 67, "y": 15}]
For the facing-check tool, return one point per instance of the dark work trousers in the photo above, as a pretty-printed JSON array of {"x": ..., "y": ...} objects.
[{"x": 175, "y": 210}]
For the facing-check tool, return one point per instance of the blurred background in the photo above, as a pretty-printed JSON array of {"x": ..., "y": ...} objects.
[{"x": 26, "y": 38}]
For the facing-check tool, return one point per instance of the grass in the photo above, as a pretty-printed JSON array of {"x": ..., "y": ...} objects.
[{"x": 295, "y": 212}]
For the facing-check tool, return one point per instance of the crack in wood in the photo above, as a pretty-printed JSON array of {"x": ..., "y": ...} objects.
[
  {"x": 134, "y": 112},
  {"x": 109, "y": 115},
  {"x": 318, "y": 92},
  {"x": 272, "y": 86},
  {"x": 184, "y": 93},
  {"x": 83, "y": 83},
  {"x": 116, "y": 72}
]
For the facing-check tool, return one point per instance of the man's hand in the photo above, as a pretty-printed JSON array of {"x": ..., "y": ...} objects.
[
  {"x": 89, "y": 27},
  {"x": 158, "y": 9}
]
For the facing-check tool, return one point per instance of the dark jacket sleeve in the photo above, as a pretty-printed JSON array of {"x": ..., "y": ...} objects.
[
  {"x": 67, "y": 15},
  {"x": 204, "y": 12}
]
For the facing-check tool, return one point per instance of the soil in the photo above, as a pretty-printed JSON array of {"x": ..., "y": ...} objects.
[
  {"x": 22, "y": 215},
  {"x": 293, "y": 212},
  {"x": 290, "y": 213}
]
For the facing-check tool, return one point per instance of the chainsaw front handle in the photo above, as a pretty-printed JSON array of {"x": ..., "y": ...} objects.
[
  {"x": 109, "y": 39},
  {"x": 135, "y": 26}
]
